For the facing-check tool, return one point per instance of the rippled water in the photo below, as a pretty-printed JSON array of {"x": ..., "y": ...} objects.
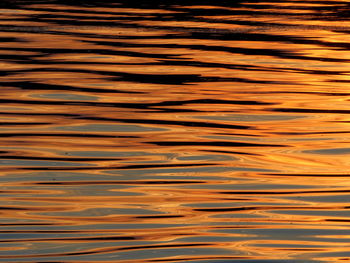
[{"x": 175, "y": 131}]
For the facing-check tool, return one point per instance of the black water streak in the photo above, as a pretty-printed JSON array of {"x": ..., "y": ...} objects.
[
  {"x": 160, "y": 216},
  {"x": 109, "y": 250},
  {"x": 308, "y": 175},
  {"x": 63, "y": 114},
  {"x": 214, "y": 143},
  {"x": 143, "y": 106},
  {"x": 248, "y": 208},
  {"x": 168, "y": 122},
  {"x": 50, "y": 51},
  {"x": 231, "y": 152},
  {"x": 80, "y": 159},
  {"x": 203, "y": 258},
  {"x": 138, "y": 182},
  {"x": 13, "y": 208},
  {"x": 306, "y": 92},
  {"x": 111, "y": 167},
  {"x": 23, "y": 123},
  {"x": 70, "y": 239},
  {"x": 303, "y": 110},
  {"x": 337, "y": 220},
  {"x": 27, "y": 224},
  {"x": 76, "y": 135},
  {"x": 311, "y": 133},
  {"x": 30, "y": 85},
  {"x": 284, "y": 192},
  {"x": 166, "y": 79},
  {"x": 234, "y": 50}
]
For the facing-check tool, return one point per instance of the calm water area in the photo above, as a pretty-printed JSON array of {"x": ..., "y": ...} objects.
[{"x": 175, "y": 131}]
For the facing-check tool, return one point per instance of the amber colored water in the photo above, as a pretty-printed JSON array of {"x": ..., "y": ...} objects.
[{"x": 175, "y": 131}]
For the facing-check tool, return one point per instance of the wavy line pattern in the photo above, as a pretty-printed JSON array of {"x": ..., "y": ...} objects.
[{"x": 174, "y": 131}]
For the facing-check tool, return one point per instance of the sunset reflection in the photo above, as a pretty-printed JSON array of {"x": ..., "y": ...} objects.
[{"x": 175, "y": 132}]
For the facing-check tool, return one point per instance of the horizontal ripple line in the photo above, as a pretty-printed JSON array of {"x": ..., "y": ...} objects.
[
  {"x": 308, "y": 175},
  {"x": 69, "y": 239},
  {"x": 109, "y": 167},
  {"x": 138, "y": 182},
  {"x": 178, "y": 123},
  {"x": 284, "y": 192},
  {"x": 81, "y": 159},
  {"x": 109, "y": 250},
  {"x": 79, "y": 135},
  {"x": 215, "y": 143},
  {"x": 247, "y": 208},
  {"x": 30, "y": 85}
]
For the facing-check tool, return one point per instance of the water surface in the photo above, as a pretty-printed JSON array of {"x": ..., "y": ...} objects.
[{"x": 175, "y": 131}]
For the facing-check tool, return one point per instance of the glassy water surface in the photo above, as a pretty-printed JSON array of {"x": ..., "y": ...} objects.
[{"x": 175, "y": 131}]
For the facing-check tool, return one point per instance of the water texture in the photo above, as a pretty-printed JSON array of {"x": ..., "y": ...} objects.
[{"x": 173, "y": 131}]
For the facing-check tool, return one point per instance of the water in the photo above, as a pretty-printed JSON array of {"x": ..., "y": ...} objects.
[{"x": 175, "y": 132}]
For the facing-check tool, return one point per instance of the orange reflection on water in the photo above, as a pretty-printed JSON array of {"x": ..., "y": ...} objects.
[{"x": 175, "y": 133}]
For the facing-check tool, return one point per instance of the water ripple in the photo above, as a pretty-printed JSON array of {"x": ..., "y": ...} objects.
[{"x": 174, "y": 131}]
